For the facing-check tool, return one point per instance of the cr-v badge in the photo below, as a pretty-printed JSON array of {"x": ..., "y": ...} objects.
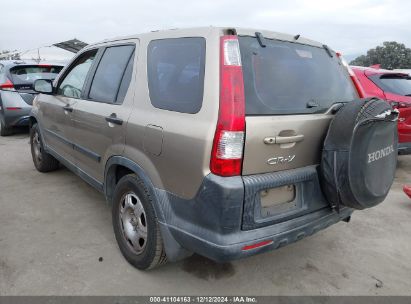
[{"x": 280, "y": 160}]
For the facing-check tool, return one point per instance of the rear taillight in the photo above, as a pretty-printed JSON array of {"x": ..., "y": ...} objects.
[
  {"x": 227, "y": 153},
  {"x": 354, "y": 78},
  {"x": 8, "y": 85},
  {"x": 400, "y": 105}
]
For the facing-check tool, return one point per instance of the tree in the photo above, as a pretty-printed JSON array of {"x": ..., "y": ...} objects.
[{"x": 391, "y": 55}]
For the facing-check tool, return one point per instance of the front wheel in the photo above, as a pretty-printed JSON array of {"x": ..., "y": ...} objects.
[
  {"x": 135, "y": 224},
  {"x": 43, "y": 161}
]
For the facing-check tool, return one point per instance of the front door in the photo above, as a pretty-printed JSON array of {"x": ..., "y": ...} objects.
[{"x": 57, "y": 110}]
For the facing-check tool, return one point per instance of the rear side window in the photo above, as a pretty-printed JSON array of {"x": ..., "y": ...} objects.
[
  {"x": 396, "y": 84},
  {"x": 175, "y": 70},
  {"x": 110, "y": 72},
  {"x": 27, "y": 74},
  {"x": 291, "y": 78}
]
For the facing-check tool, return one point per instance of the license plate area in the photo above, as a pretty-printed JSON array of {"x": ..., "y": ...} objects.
[
  {"x": 277, "y": 200},
  {"x": 277, "y": 197}
]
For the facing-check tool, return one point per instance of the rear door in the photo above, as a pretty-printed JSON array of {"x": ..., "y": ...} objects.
[
  {"x": 101, "y": 116},
  {"x": 289, "y": 88}
]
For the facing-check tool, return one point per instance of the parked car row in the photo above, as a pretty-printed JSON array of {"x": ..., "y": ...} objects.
[{"x": 225, "y": 142}]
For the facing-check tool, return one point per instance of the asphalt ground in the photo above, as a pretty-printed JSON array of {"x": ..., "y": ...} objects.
[{"x": 56, "y": 239}]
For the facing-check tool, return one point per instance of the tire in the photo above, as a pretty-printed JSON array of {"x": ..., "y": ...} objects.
[
  {"x": 43, "y": 161},
  {"x": 135, "y": 224},
  {"x": 5, "y": 131}
]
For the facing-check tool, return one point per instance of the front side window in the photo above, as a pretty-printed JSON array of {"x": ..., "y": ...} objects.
[
  {"x": 110, "y": 73},
  {"x": 73, "y": 82},
  {"x": 175, "y": 70}
]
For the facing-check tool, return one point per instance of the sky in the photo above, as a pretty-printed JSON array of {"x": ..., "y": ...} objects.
[{"x": 349, "y": 26}]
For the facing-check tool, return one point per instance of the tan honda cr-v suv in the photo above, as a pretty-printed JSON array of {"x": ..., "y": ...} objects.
[{"x": 209, "y": 140}]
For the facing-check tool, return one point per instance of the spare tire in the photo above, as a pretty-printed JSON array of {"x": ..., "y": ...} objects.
[{"x": 360, "y": 154}]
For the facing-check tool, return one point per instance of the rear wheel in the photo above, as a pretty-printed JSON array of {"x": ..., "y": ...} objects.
[
  {"x": 4, "y": 131},
  {"x": 43, "y": 161},
  {"x": 135, "y": 224}
]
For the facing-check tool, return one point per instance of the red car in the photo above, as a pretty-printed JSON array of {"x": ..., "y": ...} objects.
[
  {"x": 395, "y": 87},
  {"x": 407, "y": 190}
]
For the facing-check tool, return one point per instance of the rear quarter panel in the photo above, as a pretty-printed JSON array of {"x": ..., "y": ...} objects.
[
  {"x": 370, "y": 89},
  {"x": 186, "y": 139},
  {"x": 11, "y": 99}
]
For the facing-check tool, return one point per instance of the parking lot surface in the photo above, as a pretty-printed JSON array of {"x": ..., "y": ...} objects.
[{"x": 56, "y": 239}]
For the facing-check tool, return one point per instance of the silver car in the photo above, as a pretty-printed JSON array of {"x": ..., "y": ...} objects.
[{"x": 16, "y": 90}]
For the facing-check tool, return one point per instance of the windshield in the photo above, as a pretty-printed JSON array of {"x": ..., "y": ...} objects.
[
  {"x": 291, "y": 78},
  {"x": 396, "y": 84},
  {"x": 28, "y": 74}
]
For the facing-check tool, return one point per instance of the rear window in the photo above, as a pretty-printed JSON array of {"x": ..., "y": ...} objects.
[
  {"x": 27, "y": 74},
  {"x": 175, "y": 70},
  {"x": 396, "y": 84},
  {"x": 291, "y": 78}
]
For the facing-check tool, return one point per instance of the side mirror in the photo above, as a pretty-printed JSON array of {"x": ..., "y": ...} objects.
[{"x": 44, "y": 86}]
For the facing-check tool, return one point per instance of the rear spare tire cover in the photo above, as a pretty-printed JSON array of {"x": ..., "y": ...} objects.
[{"x": 360, "y": 154}]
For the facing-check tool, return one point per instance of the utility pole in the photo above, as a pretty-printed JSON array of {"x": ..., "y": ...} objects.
[{"x": 38, "y": 55}]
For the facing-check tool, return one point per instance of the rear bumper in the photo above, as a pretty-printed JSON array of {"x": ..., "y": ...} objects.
[
  {"x": 233, "y": 246},
  {"x": 404, "y": 148},
  {"x": 404, "y": 130},
  {"x": 218, "y": 222},
  {"x": 20, "y": 119},
  {"x": 14, "y": 110}
]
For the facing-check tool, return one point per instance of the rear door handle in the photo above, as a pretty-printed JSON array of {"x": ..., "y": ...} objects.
[
  {"x": 283, "y": 139},
  {"x": 67, "y": 108},
  {"x": 113, "y": 119}
]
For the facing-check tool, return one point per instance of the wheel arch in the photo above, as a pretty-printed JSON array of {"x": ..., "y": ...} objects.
[
  {"x": 118, "y": 166},
  {"x": 32, "y": 121}
]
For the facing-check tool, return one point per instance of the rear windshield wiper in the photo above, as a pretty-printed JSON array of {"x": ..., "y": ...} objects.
[
  {"x": 261, "y": 39},
  {"x": 312, "y": 104},
  {"x": 327, "y": 49},
  {"x": 335, "y": 107},
  {"x": 332, "y": 109}
]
